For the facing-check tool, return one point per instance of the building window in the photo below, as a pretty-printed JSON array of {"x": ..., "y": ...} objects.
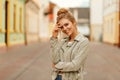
[
  {"x": 112, "y": 25},
  {"x": 113, "y": 1},
  {"x": 14, "y": 24},
  {"x": 107, "y": 26},
  {"x": 0, "y": 19},
  {"x": 104, "y": 3},
  {"x": 20, "y": 20},
  {"x": 110, "y": 2}
]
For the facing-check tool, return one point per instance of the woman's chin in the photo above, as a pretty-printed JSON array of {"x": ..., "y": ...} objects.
[{"x": 68, "y": 34}]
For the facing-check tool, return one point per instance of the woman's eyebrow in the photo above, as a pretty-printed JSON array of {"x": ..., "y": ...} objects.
[
  {"x": 58, "y": 24},
  {"x": 65, "y": 23}
]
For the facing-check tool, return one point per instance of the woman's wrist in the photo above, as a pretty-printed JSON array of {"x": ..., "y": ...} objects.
[{"x": 54, "y": 36}]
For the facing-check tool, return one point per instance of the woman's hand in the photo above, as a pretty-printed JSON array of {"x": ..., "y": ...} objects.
[
  {"x": 53, "y": 65},
  {"x": 55, "y": 31}
]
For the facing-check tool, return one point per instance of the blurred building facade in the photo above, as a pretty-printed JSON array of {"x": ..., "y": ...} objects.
[
  {"x": 82, "y": 17},
  {"x": 44, "y": 20},
  {"x": 11, "y": 22},
  {"x": 37, "y": 20},
  {"x": 31, "y": 21},
  {"x": 52, "y": 16},
  {"x": 111, "y": 15},
  {"x": 96, "y": 20}
]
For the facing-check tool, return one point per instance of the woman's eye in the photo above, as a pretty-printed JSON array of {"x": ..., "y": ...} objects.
[{"x": 66, "y": 24}]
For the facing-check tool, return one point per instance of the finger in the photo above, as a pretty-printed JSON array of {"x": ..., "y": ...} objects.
[
  {"x": 53, "y": 65},
  {"x": 59, "y": 29}
]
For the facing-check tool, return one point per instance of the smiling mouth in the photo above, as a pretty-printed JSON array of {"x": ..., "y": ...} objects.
[{"x": 66, "y": 32}]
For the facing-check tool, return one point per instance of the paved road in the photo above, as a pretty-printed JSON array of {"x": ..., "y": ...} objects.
[
  {"x": 103, "y": 62},
  {"x": 26, "y": 63},
  {"x": 32, "y": 62}
]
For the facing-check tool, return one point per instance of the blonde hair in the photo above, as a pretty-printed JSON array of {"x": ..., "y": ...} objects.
[{"x": 64, "y": 13}]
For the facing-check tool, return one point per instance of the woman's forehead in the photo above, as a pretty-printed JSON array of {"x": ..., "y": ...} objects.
[{"x": 63, "y": 21}]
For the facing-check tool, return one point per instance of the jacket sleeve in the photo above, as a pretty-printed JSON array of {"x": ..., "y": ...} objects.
[
  {"x": 76, "y": 63},
  {"x": 54, "y": 50}
]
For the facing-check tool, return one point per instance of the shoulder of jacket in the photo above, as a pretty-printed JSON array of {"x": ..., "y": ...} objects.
[{"x": 64, "y": 39}]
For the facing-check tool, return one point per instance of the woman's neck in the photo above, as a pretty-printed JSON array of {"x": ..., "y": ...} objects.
[{"x": 72, "y": 37}]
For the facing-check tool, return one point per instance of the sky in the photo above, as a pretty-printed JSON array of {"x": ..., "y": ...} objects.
[{"x": 71, "y": 3}]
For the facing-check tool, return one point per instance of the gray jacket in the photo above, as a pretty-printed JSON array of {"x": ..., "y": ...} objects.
[{"x": 69, "y": 57}]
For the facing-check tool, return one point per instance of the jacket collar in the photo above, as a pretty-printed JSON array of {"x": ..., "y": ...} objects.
[{"x": 77, "y": 38}]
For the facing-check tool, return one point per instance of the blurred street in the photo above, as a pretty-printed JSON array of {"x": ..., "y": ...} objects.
[
  {"x": 32, "y": 62},
  {"x": 26, "y": 26},
  {"x": 103, "y": 62}
]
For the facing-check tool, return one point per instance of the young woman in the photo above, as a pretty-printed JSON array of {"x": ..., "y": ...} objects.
[{"x": 68, "y": 54}]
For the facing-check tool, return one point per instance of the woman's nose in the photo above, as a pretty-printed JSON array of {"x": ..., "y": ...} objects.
[{"x": 64, "y": 28}]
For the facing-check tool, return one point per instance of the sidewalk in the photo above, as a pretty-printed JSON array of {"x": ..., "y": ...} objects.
[{"x": 32, "y": 62}]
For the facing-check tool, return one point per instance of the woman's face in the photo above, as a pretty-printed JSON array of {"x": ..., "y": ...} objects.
[{"x": 66, "y": 26}]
